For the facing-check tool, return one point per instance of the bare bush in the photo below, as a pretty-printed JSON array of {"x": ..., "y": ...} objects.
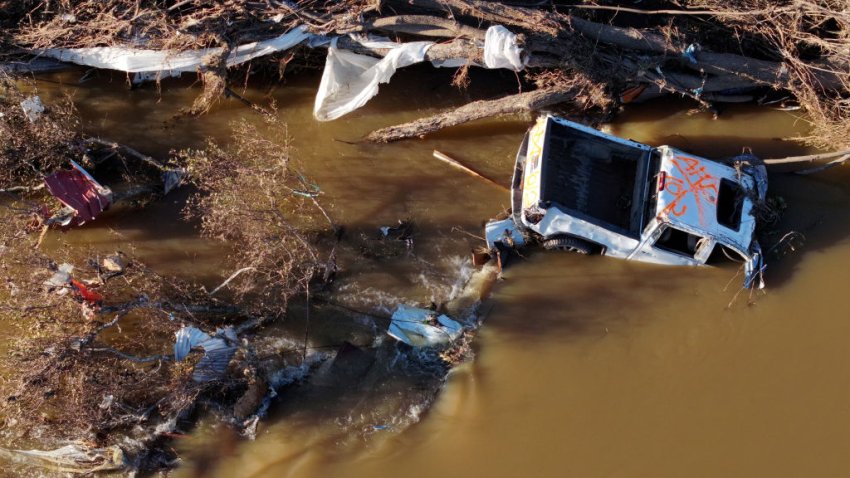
[
  {"x": 251, "y": 196},
  {"x": 63, "y": 379},
  {"x": 31, "y": 149},
  {"x": 810, "y": 37}
]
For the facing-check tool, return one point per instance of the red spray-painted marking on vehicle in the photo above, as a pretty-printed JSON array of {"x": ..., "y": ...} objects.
[{"x": 692, "y": 182}]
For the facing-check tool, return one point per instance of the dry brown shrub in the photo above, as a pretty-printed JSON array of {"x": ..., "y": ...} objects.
[
  {"x": 63, "y": 378},
  {"x": 810, "y": 37},
  {"x": 169, "y": 25},
  {"x": 251, "y": 196},
  {"x": 29, "y": 150},
  {"x": 588, "y": 92}
]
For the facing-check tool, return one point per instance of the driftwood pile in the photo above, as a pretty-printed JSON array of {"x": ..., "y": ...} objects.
[{"x": 591, "y": 56}]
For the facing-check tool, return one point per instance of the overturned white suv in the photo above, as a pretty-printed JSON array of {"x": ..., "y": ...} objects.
[{"x": 582, "y": 190}]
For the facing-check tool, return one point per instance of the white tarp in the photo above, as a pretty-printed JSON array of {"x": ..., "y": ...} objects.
[
  {"x": 33, "y": 108},
  {"x": 151, "y": 64},
  {"x": 351, "y": 79},
  {"x": 501, "y": 49}
]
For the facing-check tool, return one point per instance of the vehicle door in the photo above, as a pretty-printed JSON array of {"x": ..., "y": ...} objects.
[{"x": 668, "y": 244}]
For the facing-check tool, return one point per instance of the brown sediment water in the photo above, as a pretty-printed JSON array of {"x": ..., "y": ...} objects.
[{"x": 585, "y": 366}]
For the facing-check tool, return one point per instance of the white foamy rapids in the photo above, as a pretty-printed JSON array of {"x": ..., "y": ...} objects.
[
  {"x": 369, "y": 297},
  {"x": 294, "y": 373},
  {"x": 445, "y": 286},
  {"x": 464, "y": 269}
]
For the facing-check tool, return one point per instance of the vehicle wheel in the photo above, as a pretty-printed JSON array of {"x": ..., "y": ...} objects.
[{"x": 569, "y": 243}]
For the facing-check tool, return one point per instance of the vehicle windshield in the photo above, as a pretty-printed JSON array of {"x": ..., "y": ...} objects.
[{"x": 651, "y": 194}]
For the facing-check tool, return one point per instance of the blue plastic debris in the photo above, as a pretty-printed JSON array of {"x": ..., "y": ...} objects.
[{"x": 690, "y": 51}]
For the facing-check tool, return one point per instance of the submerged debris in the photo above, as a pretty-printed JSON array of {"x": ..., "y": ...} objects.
[{"x": 218, "y": 350}]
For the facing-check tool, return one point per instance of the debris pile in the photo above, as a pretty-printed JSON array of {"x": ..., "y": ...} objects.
[{"x": 592, "y": 56}]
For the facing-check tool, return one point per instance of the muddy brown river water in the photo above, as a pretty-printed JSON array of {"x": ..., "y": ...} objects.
[{"x": 585, "y": 366}]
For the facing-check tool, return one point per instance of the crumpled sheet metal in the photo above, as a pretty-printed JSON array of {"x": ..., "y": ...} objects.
[
  {"x": 218, "y": 351},
  {"x": 77, "y": 189},
  {"x": 411, "y": 326},
  {"x": 187, "y": 338}
]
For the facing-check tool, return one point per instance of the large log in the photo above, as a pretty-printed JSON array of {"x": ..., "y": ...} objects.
[
  {"x": 519, "y": 103},
  {"x": 531, "y": 19}
]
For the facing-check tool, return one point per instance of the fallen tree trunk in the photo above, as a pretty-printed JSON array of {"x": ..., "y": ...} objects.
[
  {"x": 519, "y": 103},
  {"x": 527, "y": 18}
]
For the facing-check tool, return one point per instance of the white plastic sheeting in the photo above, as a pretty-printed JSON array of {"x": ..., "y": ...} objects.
[
  {"x": 501, "y": 49},
  {"x": 33, "y": 108},
  {"x": 351, "y": 79},
  {"x": 150, "y": 64}
]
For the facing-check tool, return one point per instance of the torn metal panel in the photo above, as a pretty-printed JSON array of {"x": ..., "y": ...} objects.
[
  {"x": 213, "y": 365},
  {"x": 422, "y": 327},
  {"x": 218, "y": 351},
  {"x": 78, "y": 190},
  {"x": 187, "y": 338},
  {"x": 505, "y": 232}
]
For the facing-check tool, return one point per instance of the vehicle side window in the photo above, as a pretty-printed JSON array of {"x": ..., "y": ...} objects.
[
  {"x": 730, "y": 203},
  {"x": 678, "y": 241}
]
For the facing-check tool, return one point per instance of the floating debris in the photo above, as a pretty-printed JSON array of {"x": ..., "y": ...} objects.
[
  {"x": 73, "y": 458},
  {"x": 33, "y": 108},
  {"x": 422, "y": 327},
  {"x": 114, "y": 264}
]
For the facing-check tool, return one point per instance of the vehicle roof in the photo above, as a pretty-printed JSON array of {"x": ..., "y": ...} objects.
[{"x": 689, "y": 197}]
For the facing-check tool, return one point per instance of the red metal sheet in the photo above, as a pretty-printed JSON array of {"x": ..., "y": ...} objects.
[{"x": 77, "y": 189}]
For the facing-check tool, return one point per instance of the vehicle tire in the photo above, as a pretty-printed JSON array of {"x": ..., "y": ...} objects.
[{"x": 569, "y": 243}]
